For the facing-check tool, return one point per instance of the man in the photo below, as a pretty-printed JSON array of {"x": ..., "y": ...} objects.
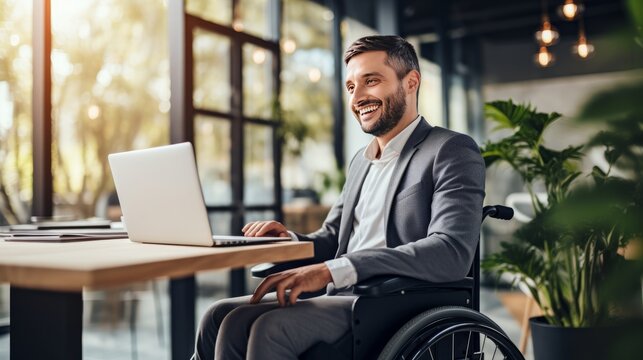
[{"x": 411, "y": 206}]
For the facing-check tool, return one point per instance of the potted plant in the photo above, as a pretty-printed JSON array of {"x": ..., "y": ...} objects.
[{"x": 568, "y": 256}]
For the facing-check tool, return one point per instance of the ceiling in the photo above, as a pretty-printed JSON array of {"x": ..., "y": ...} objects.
[{"x": 503, "y": 19}]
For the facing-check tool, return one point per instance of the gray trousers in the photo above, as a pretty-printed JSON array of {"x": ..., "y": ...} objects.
[{"x": 234, "y": 329}]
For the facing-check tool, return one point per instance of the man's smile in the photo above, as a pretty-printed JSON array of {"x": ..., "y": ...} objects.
[{"x": 368, "y": 109}]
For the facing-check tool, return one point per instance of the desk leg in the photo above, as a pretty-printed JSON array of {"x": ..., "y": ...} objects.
[
  {"x": 182, "y": 320},
  {"x": 46, "y": 324}
]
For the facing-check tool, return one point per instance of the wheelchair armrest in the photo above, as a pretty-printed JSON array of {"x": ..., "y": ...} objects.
[
  {"x": 383, "y": 285},
  {"x": 264, "y": 269}
]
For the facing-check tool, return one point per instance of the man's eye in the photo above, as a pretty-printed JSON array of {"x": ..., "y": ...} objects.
[
  {"x": 350, "y": 88},
  {"x": 371, "y": 81}
]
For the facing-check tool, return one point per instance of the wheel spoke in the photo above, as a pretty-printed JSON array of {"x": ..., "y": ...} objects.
[
  {"x": 453, "y": 346},
  {"x": 416, "y": 347}
]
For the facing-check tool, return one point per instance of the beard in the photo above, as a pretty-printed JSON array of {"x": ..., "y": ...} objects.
[{"x": 393, "y": 108}]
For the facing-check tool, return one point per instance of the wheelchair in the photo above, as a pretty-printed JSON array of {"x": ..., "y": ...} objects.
[{"x": 404, "y": 318}]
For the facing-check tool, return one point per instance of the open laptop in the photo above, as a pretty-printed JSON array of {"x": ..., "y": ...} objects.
[{"x": 161, "y": 199}]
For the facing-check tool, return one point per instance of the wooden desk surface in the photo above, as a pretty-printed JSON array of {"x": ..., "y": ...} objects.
[{"x": 104, "y": 263}]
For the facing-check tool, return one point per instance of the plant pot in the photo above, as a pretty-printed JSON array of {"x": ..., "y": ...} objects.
[{"x": 563, "y": 343}]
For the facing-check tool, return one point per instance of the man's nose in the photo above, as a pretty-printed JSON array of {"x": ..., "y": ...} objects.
[{"x": 359, "y": 94}]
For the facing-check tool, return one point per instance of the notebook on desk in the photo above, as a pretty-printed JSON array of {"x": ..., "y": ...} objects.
[
  {"x": 62, "y": 235},
  {"x": 161, "y": 199}
]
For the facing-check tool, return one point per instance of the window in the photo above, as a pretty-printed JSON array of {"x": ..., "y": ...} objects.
[
  {"x": 110, "y": 92},
  {"x": 16, "y": 161},
  {"x": 307, "y": 83}
]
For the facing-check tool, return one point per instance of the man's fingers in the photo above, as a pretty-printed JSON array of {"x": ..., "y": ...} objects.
[
  {"x": 246, "y": 227},
  {"x": 263, "y": 288},
  {"x": 261, "y": 230},
  {"x": 281, "y": 288},
  {"x": 294, "y": 294},
  {"x": 290, "y": 284},
  {"x": 264, "y": 228},
  {"x": 267, "y": 227},
  {"x": 267, "y": 285},
  {"x": 251, "y": 230}
]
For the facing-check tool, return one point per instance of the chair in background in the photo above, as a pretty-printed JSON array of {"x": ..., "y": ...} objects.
[
  {"x": 130, "y": 297},
  {"x": 4, "y": 319}
]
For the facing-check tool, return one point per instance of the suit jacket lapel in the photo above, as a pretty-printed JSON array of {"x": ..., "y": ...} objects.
[
  {"x": 352, "y": 196},
  {"x": 418, "y": 135}
]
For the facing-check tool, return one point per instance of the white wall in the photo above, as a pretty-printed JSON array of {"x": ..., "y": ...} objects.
[{"x": 565, "y": 95}]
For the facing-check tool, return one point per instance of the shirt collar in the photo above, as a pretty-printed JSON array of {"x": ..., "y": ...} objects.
[{"x": 394, "y": 147}]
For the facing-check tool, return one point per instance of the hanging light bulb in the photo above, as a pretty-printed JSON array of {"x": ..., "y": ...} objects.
[
  {"x": 544, "y": 58},
  {"x": 570, "y": 10},
  {"x": 582, "y": 48},
  {"x": 547, "y": 35}
]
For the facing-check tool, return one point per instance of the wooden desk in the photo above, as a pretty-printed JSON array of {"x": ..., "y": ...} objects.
[{"x": 47, "y": 280}]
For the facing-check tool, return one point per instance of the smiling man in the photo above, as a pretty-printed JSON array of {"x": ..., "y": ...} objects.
[{"x": 411, "y": 206}]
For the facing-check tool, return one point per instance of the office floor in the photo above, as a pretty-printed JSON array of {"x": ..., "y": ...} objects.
[{"x": 107, "y": 335}]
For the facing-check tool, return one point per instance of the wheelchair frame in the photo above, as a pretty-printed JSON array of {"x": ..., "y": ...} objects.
[{"x": 371, "y": 328}]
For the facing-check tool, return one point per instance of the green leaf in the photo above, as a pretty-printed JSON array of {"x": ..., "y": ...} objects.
[{"x": 507, "y": 114}]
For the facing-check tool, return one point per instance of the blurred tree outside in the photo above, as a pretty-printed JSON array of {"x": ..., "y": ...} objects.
[
  {"x": 307, "y": 85},
  {"x": 110, "y": 92},
  {"x": 15, "y": 111}
]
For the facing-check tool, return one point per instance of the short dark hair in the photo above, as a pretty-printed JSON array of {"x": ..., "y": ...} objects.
[{"x": 401, "y": 55}]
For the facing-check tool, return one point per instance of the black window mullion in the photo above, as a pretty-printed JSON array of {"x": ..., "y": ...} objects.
[
  {"x": 181, "y": 81},
  {"x": 237, "y": 148},
  {"x": 42, "y": 201},
  {"x": 276, "y": 137},
  {"x": 212, "y": 113},
  {"x": 237, "y": 276}
]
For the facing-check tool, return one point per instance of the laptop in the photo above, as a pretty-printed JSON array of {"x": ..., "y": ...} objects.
[{"x": 161, "y": 199}]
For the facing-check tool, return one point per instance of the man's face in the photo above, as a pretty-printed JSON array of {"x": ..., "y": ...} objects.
[{"x": 376, "y": 95}]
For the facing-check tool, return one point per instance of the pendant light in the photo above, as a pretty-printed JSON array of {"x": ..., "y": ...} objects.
[
  {"x": 582, "y": 48},
  {"x": 544, "y": 58},
  {"x": 547, "y": 35},
  {"x": 570, "y": 10}
]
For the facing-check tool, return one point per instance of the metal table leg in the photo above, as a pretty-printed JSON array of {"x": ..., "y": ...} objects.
[
  {"x": 46, "y": 324},
  {"x": 182, "y": 319}
]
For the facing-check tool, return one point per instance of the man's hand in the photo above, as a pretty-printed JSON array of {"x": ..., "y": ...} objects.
[
  {"x": 265, "y": 228},
  {"x": 302, "y": 279}
]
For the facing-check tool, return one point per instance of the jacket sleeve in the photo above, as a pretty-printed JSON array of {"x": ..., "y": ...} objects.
[{"x": 446, "y": 253}]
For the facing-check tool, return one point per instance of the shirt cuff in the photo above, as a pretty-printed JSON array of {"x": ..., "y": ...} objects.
[
  {"x": 343, "y": 272},
  {"x": 293, "y": 236}
]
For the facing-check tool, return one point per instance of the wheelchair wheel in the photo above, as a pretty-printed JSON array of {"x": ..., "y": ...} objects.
[{"x": 453, "y": 333}]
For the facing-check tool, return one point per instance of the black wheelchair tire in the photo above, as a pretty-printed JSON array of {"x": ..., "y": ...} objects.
[{"x": 438, "y": 323}]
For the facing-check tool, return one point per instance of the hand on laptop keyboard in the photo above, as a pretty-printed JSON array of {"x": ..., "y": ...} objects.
[{"x": 265, "y": 228}]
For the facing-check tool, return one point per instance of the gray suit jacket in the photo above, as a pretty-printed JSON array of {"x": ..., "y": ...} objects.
[{"x": 434, "y": 210}]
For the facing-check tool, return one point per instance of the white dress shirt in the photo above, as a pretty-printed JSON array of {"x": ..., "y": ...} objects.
[{"x": 369, "y": 229}]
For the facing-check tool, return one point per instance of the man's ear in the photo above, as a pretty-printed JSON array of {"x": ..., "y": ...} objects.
[{"x": 412, "y": 81}]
